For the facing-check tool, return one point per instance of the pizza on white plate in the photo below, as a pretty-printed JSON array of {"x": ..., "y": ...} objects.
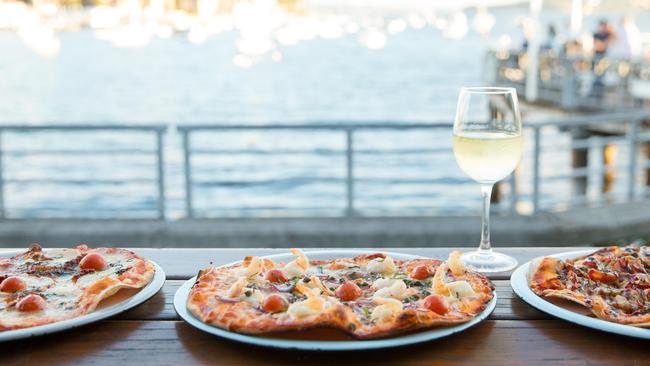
[
  {"x": 41, "y": 287},
  {"x": 366, "y": 296}
]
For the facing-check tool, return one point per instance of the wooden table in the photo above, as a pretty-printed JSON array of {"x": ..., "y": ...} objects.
[{"x": 152, "y": 334}]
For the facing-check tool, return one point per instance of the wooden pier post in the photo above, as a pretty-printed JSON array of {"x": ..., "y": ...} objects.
[
  {"x": 579, "y": 160},
  {"x": 609, "y": 155}
]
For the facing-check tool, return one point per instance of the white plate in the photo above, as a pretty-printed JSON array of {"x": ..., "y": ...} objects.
[
  {"x": 519, "y": 283},
  {"x": 107, "y": 308},
  {"x": 180, "y": 304}
]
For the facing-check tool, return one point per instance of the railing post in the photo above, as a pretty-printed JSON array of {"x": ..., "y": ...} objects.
[
  {"x": 187, "y": 165},
  {"x": 632, "y": 160},
  {"x": 161, "y": 174},
  {"x": 536, "y": 153},
  {"x": 2, "y": 181},
  {"x": 349, "y": 178}
]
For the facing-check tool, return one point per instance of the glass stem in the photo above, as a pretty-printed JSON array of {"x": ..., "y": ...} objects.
[{"x": 486, "y": 194}]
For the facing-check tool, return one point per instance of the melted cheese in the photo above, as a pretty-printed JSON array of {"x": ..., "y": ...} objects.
[
  {"x": 294, "y": 270},
  {"x": 312, "y": 306},
  {"x": 461, "y": 290},
  {"x": 381, "y": 265},
  {"x": 237, "y": 288},
  {"x": 438, "y": 285},
  {"x": 255, "y": 267},
  {"x": 386, "y": 311},
  {"x": 455, "y": 264},
  {"x": 299, "y": 266},
  {"x": 383, "y": 282},
  {"x": 396, "y": 290},
  {"x": 254, "y": 299},
  {"x": 315, "y": 283}
]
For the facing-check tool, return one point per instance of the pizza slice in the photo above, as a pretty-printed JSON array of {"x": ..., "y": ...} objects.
[{"x": 613, "y": 282}]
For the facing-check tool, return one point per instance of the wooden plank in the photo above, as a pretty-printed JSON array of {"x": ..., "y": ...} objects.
[
  {"x": 160, "y": 307},
  {"x": 501, "y": 342}
]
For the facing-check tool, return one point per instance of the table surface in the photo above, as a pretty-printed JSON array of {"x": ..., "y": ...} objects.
[{"x": 152, "y": 333}]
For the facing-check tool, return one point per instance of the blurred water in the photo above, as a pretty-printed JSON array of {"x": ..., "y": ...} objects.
[{"x": 414, "y": 79}]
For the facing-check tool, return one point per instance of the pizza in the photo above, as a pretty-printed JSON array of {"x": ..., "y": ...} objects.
[
  {"x": 366, "y": 296},
  {"x": 41, "y": 287},
  {"x": 613, "y": 282}
]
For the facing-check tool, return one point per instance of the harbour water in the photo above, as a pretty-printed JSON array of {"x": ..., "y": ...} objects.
[{"x": 415, "y": 78}]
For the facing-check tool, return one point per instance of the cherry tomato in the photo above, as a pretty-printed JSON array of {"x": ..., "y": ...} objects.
[
  {"x": 276, "y": 276},
  {"x": 376, "y": 255},
  {"x": 93, "y": 261},
  {"x": 31, "y": 303},
  {"x": 274, "y": 304},
  {"x": 436, "y": 303},
  {"x": 348, "y": 291},
  {"x": 590, "y": 264},
  {"x": 420, "y": 272},
  {"x": 12, "y": 284},
  {"x": 603, "y": 277}
]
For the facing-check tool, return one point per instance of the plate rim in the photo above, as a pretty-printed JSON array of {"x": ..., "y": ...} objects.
[
  {"x": 180, "y": 306},
  {"x": 147, "y": 292},
  {"x": 519, "y": 284}
]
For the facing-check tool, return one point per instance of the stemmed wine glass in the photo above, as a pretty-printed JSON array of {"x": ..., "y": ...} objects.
[{"x": 487, "y": 147}]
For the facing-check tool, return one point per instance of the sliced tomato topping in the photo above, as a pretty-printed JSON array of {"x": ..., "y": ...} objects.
[
  {"x": 421, "y": 272},
  {"x": 348, "y": 291},
  {"x": 274, "y": 304},
  {"x": 93, "y": 261},
  {"x": 600, "y": 276},
  {"x": 275, "y": 276},
  {"x": 12, "y": 284},
  {"x": 376, "y": 255},
  {"x": 31, "y": 302},
  {"x": 437, "y": 304}
]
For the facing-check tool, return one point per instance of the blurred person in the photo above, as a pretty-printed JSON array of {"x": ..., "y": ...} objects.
[
  {"x": 551, "y": 38},
  {"x": 603, "y": 37},
  {"x": 628, "y": 40}
]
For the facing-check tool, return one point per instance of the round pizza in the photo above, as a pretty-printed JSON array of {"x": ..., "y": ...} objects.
[
  {"x": 612, "y": 282},
  {"x": 367, "y": 296},
  {"x": 38, "y": 287}
]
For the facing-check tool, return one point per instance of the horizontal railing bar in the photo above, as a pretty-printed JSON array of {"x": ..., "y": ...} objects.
[
  {"x": 594, "y": 141},
  {"x": 244, "y": 151},
  {"x": 316, "y": 126},
  {"x": 91, "y": 127},
  {"x": 592, "y": 119},
  {"x": 76, "y": 152},
  {"x": 82, "y": 181},
  {"x": 303, "y": 180}
]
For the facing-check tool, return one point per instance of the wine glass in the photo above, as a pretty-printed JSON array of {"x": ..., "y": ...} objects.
[{"x": 487, "y": 147}]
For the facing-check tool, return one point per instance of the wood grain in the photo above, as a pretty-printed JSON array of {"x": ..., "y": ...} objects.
[{"x": 504, "y": 342}]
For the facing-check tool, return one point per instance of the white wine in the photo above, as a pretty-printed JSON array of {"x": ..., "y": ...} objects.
[{"x": 487, "y": 156}]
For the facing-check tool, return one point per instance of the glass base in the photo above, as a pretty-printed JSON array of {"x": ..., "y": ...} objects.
[{"x": 487, "y": 261}]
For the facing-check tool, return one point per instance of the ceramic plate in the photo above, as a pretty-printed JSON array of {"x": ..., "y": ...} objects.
[
  {"x": 123, "y": 300},
  {"x": 180, "y": 301},
  {"x": 519, "y": 283}
]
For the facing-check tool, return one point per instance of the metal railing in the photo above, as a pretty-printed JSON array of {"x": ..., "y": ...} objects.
[
  {"x": 627, "y": 131},
  {"x": 630, "y": 129},
  {"x": 157, "y": 131},
  {"x": 349, "y": 129},
  {"x": 627, "y": 122}
]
